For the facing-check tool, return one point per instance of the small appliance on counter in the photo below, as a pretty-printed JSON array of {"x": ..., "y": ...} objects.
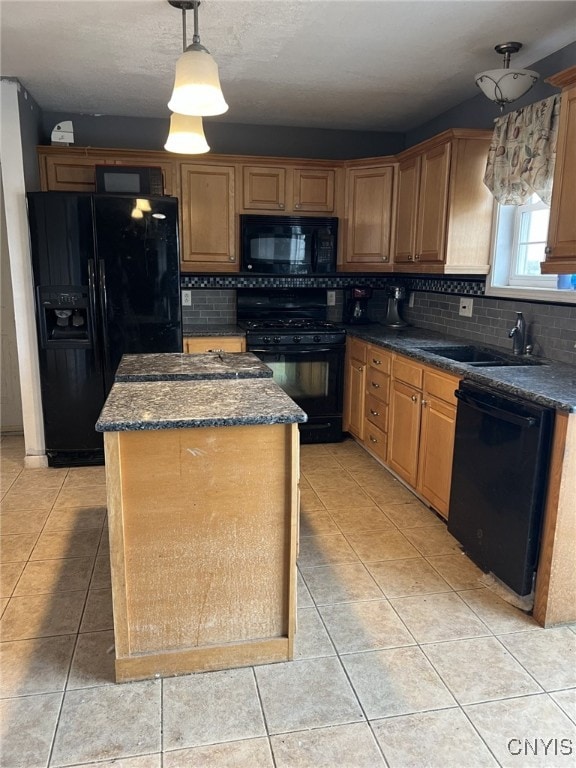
[
  {"x": 396, "y": 294},
  {"x": 356, "y": 310}
]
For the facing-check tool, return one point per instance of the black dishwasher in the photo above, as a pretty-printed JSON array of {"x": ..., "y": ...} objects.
[{"x": 499, "y": 480}]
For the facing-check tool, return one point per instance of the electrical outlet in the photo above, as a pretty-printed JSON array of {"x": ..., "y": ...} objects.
[
  {"x": 186, "y": 298},
  {"x": 411, "y": 299},
  {"x": 466, "y": 307},
  {"x": 331, "y": 298}
]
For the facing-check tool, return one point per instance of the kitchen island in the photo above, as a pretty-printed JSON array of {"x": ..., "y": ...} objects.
[{"x": 202, "y": 487}]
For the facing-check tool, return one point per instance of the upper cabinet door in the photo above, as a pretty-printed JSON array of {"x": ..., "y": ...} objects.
[
  {"x": 406, "y": 209},
  {"x": 561, "y": 250},
  {"x": 369, "y": 211},
  {"x": 264, "y": 188},
  {"x": 208, "y": 231},
  {"x": 433, "y": 204},
  {"x": 314, "y": 189},
  {"x": 70, "y": 174}
]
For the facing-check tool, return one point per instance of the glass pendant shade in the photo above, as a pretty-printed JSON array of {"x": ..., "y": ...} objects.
[
  {"x": 505, "y": 85},
  {"x": 186, "y": 135},
  {"x": 197, "y": 88}
]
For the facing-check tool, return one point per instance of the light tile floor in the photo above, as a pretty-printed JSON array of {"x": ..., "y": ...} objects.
[{"x": 403, "y": 658}]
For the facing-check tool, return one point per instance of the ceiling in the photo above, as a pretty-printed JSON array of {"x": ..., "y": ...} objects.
[{"x": 380, "y": 65}]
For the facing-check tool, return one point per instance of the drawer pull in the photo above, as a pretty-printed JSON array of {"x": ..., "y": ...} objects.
[
  {"x": 376, "y": 362},
  {"x": 414, "y": 398},
  {"x": 548, "y": 250},
  {"x": 424, "y": 403},
  {"x": 374, "y": 413},
  {"x": 360, "y": 368},
  {"x": 375, "y": 384},
  {"x": 214, "y": 350},
  {"x": 373, "y": 439}
]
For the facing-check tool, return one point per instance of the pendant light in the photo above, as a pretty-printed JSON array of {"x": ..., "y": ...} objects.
[
  {"x": 197, "y": 88},
  {"x": 506, "y": 85},
  {"x": 186, "y": 135}
]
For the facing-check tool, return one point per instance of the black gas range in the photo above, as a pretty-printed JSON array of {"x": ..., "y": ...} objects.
[{"x": 289, "y": 331}]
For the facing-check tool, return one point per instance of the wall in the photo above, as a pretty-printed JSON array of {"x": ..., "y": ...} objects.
[
  {"x": 227, "y": 138},
  {"x": 480, "y": 112},
  {"x": 30, "y": 131}
]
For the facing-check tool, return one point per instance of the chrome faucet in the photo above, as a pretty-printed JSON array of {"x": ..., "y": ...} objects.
[{"x": 518, "y": 335}]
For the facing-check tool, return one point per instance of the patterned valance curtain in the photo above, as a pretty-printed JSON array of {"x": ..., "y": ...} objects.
[{"x": 522, "y": 153}]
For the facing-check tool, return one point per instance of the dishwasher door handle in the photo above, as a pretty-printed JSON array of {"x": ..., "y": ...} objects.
[{"x": 500, "y": 413}]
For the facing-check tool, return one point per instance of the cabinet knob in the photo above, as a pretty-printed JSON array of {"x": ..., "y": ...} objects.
[
  {"x": 424, "y": 403},
  {"x": 376, "y": 362},
  {"x": 280, "y": 205},
  {"x": 374, "y": 413},
  {"x": 231, "y": 258},
  {"x": 414, "y": 398},
  {"x": 375, "y": 384},
  {"x": 384, "y": 258},
  {"x": 297, "y": 205},
  {"x": 417, "y": 257},
  {"x": 373, "y": 439},
  {"x": 410, "y": 258},
  {"x": 548, "y": 250},
  {"x": 360, "y": 367}
]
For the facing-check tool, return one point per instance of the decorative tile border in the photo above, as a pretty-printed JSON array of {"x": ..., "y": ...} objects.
[{"x": 472, "y": 286}]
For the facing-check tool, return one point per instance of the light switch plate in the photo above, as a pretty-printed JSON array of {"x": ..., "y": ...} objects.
[
  {"x": 466, "y": 307},
  {"x": 186, "y": 298}
]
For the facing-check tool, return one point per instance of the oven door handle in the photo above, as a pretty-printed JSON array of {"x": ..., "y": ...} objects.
[{"x": 284, "y": 351}]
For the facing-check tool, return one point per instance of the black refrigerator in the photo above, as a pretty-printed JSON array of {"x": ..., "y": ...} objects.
[{"x": 106, "y": 282}]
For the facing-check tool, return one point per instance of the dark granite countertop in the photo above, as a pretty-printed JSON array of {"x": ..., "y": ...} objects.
[
  {"x": 212, "y": 330},
  {"x": 177, "y": 366},
  {"x": 139, "y": 405},
  {"x": 550, "y": 384}
]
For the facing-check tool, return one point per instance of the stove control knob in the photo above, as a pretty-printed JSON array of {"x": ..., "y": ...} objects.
[
  {"x": 317, "y": 339},
  {"x": 266, "y": 339},
  {"x": 276, "y": 339},
  {"x": 296, "y": 339}
]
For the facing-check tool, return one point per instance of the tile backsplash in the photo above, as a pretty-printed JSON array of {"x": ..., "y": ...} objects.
[{"x": 551, "y": 327}]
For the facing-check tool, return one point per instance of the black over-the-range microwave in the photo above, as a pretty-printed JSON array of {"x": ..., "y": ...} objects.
[
  {"x": 288, "y": 245},
  {"x": 129, "y": 180}
]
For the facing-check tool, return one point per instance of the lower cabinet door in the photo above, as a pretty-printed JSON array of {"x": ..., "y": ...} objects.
[
  {"x": 404, "y": 430},
  {"x": 436, "y": 450}
]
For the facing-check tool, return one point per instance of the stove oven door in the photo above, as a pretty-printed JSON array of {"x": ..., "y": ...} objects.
[{"x": 313, "y": 378}]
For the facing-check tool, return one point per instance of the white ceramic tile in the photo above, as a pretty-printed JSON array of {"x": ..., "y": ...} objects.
[
  {"x": 248, "y": 753},
  {"x": 340, "y": 583},
  {"x": 401, "y": 578},
  {"x": 441, "y": 739},
  {"x": 480, "y": 670},
  {"x": 365, "y": 626},
  {"x": 396, "y": 681},
  {"x": 442, "y": 616},
  {"x": 517, "y": 728},
  {"x": 35, "y": 666},
  {"x": 548, "y": 654},
  {"x": 211, "y": 707},
  {"x": 325, "y": 548},
  {"x": 498, "y": 615},
  {"x": 311, "y": 693},
  {"x": 311, "y": 640},
  {"x": 108, "y": 722},
  {"x": 347, "y": 746},
  {"x": 28, "y": 725}
]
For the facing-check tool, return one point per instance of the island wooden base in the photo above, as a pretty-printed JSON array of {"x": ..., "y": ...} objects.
[{"x": 203, "y": 536}]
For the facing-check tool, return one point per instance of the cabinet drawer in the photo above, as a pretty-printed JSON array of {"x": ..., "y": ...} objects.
[
  {"x": 407, "y": 371},
  {"x": 195, "y": 344},
  {"x": 440, "y": 386},
  {"x": 377, "y": 384},
  {"x": 379, "y": 358},
  {"x": 376, "y": 412},
  {"x": 376, "y": 441},
  {"x": 356, "y": 349}
]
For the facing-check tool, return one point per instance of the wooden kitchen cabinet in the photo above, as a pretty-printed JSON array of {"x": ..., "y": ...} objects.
[
  {"x": 72, "y": 169},
  {"x": 369, "y": 217},
  {"x": 561, "y": 247},
  {"x": 404, "y": 418},
  {"x": 355, "y": 386},
  {"x": 436, "y": 445},
  {"x": 444, "y": 211},
  {"x": 214, "y": 344},
  {"x": 289, "y": 190},
  {"x": 208, "y": 218},
  {"x": 378, "y": 365}
]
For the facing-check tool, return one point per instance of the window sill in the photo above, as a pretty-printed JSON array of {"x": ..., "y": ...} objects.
[{"x": 531, "y": 294}]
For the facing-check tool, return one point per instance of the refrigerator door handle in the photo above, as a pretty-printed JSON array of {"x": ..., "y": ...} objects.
[
  {"x": 104, "y": 312},
  {"x": 93, "y": 306}
]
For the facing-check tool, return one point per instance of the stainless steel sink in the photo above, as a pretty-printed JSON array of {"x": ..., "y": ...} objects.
[{"x": 479, "y": 357}]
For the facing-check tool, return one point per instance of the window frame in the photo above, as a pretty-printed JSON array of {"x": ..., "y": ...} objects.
[{"x": 497, "y": 279}]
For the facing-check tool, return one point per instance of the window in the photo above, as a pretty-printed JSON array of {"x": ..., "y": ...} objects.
[{"x": 518, "y": 249}]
